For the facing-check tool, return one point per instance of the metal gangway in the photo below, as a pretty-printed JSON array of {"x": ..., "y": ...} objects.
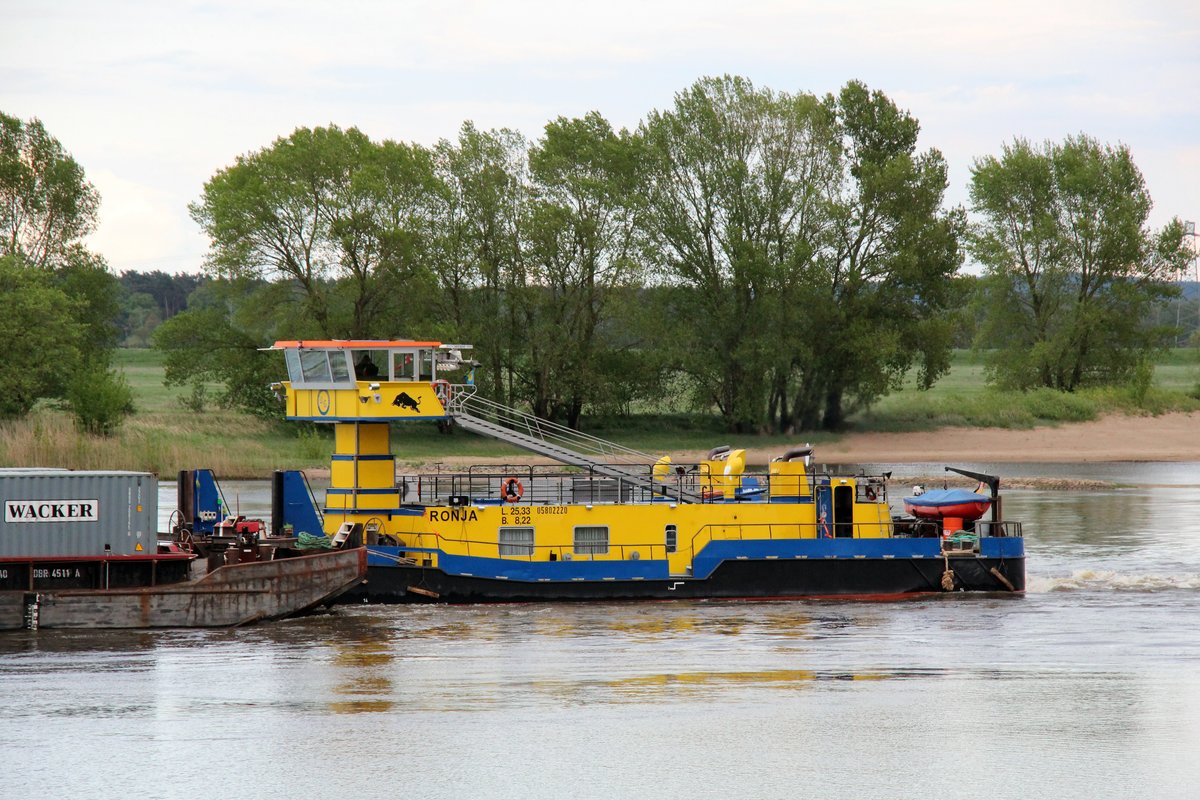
[{"x": 563, "y": 444}]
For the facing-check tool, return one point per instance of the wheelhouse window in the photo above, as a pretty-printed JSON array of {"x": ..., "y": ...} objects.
[
  {"x": 366, "y": 364},
  {"x": 338, "y": 368},
  {"x": 516, "y": 541},
  {"x": 403, "y": 366},
  {"x": 315, "y": 365},
  {"x": 672, "y": 537},
  {"x": 295, "y": 374},
  {"x": 319, "y": 369},
  {"x": 426, "y": 366},
  {"x": 591, "y": 540}
]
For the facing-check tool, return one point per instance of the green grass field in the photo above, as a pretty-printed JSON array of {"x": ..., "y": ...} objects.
[
  {"x": 962, "y": 397},
  {"x": 164, "y": 436}
]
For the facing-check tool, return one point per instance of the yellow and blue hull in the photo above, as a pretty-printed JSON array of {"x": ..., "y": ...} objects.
[{"x": 727, "y": 569}]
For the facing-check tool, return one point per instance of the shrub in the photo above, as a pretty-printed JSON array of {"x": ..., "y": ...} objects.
[
  {"x": 197, "y": 399},
  {"x": 99, "y": 399}
]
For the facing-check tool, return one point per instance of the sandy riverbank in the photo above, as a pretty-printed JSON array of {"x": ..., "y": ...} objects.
[{"x": 1168, "y": 437}]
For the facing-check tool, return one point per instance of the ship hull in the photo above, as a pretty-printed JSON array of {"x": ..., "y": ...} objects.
[
  {"x": 751, "y": 579},
  {"x": 237, "y": 594}
]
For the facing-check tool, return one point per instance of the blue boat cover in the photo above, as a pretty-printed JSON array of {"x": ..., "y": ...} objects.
[{"x": 947, "y": 497}]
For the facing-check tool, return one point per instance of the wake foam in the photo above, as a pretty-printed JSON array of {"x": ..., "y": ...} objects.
[{"x": 1099, "y": 580}]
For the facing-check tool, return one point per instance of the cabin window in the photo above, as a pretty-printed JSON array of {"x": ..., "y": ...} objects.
[
  {"x": 295, "y": 374},
  {"x": 866, "y": 492},
  {"x": 319, "y": 369},
  {"x": 338, "y": 367},
  {"x": 516, "y": 541},
  {"x": 403, "y": 368},
  {"x": 315, "y": 366},
  {"x": 426, "y": 373},
  {"x": 672, "y": 538},
  {"x": 366, "y": 364},
  {"x": 591, "y": 540}
]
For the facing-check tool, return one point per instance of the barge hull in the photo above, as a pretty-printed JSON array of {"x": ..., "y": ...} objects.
[
  {"x": 736, "y": 579},
  {"x": 237, "y": 594}
]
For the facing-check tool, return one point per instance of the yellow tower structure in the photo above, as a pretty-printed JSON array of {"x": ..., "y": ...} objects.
[{"x": 361, "y": 387}]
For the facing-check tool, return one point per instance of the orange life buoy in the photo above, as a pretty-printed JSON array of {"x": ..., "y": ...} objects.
[
  {"x": 512, "y": 490},
  {"x": 871, "y": 494},
  {"x": 442, "y": 390}
]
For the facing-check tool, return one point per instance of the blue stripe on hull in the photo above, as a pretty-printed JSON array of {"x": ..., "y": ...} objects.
[
  {"x": 1002, "y": 547},
  {"x": 388, "y": 512},
  {"x": 705, "y": 563}
]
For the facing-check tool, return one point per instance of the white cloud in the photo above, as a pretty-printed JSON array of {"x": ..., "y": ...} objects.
[{"x": 140, "y": 227}]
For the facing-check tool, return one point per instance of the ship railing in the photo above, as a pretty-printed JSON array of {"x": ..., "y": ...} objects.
[
  {"x": 714, "y": 532},
  {"x": 482, "y": 548},
  {"x": 541, "y": 485},
  {"x": 556, "y": 485},
  {"x": 1004, "y": 528}
]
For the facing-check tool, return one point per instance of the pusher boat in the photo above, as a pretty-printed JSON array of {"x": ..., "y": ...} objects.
[{"x": 608, "y": 522}]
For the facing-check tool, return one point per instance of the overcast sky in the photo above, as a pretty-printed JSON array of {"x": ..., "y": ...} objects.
[{"x": 152, "y": 98}]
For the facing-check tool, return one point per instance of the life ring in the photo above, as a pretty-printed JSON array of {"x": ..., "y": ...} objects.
[
  {"x": 442, "y": 390},
  {"x": 512, "y": 489},
  {"x": 871, "y": 495}
]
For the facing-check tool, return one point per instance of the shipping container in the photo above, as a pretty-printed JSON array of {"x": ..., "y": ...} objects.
[{"x": 50, "y": 512}]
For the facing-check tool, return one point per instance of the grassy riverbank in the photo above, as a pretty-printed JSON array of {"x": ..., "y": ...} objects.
[
  {"x": 962, "y": 398},
  {"x": 163, "y": 436}
]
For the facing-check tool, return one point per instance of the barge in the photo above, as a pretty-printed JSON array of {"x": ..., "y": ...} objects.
[
  {"x": 81, "y": 550},
  {"x": 607, "y": 522}
]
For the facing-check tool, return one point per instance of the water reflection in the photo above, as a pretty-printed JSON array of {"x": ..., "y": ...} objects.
[{"x": 363, "y": 657}]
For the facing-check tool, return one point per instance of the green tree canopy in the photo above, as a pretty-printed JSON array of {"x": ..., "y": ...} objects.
[
  {"x": 583, "y": 224},
  {"x": 46, "y": 203},
  {"x": 343, "y": 219},
  {"x": 60, "y": 300},
  {"x": 218, "y": 340},
  {"x": 807, "y": 247},
  {"x": 480, "y": 250},
  {"x": 1071, "y": 266},
  {"x": 734, "y": 207},
  {"x": 881, "y": 280},
  {"x": 42, "y": 335}
]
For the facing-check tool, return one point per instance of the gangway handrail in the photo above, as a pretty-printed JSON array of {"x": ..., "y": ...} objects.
[
  {"x": 463, "y": 400},
  {"x": 556, "y": 441}
]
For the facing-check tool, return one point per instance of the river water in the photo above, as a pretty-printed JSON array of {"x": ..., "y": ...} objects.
[{"x": 1087, "y": 687}]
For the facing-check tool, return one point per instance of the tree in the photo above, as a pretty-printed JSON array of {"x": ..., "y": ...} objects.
[
  {"x": 882, "y": 276},
  {"x": 60, "y": 299},
  {"x": 85, "y": 277},
  {"x": 1071, "y": 267},
  {"x": 583, "y": 225},
  {"x": 99, "y": 399},
  {"x": 807, "y": 247},
  {"x": 479, "y": 252},
  {"x": 338, "y": 216},
  {"x": 41, "y": 335},
  {"x": 168, "y": 292},
  {"x": 219, "y": 340},
  {"x": 46, "y": 204},
  {"x": 734, "y": 207}
]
